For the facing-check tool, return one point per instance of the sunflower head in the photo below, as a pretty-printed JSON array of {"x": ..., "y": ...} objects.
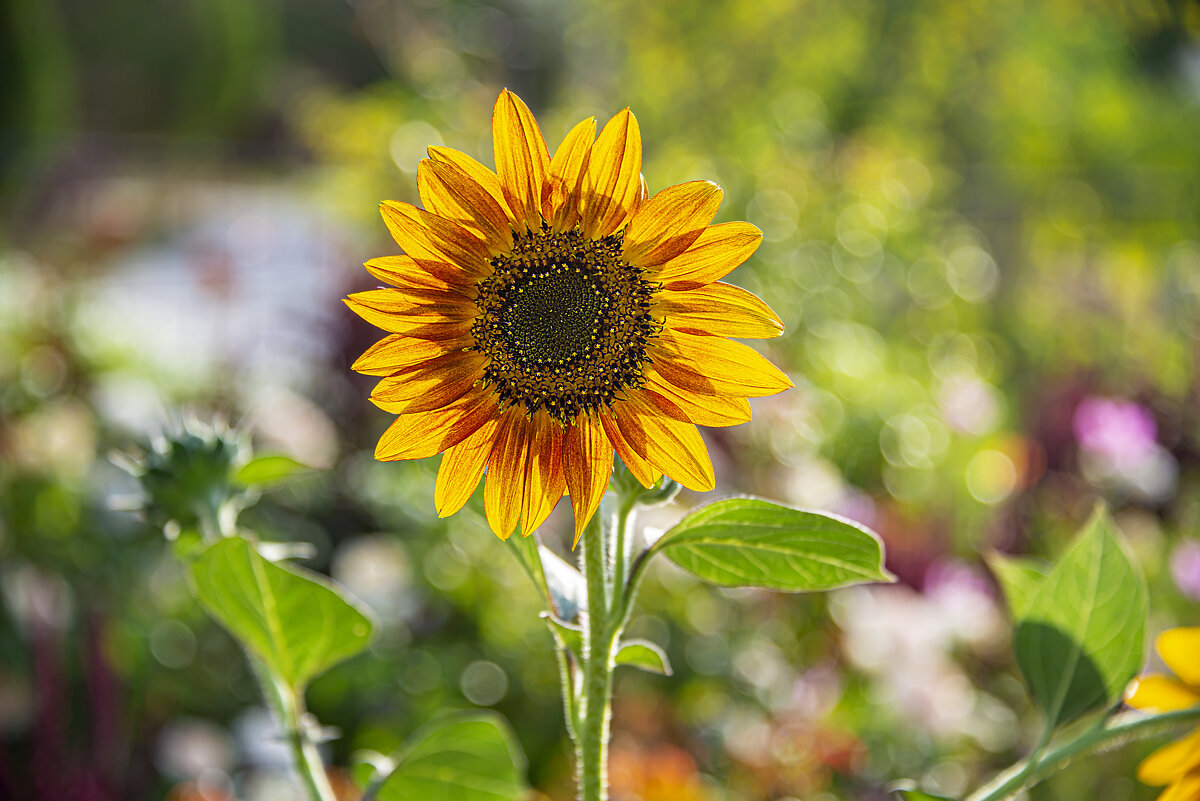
[{"x": 551, "y": 314}]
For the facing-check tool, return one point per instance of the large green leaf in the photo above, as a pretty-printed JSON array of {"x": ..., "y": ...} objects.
[
  {"x": 1020, "y": 577},
  {"x": 1082, "y": 635},
  {"x": 297, "y": 622},
  {"x": 467, "y": 757},
  {"x": 747, "y": 542}
]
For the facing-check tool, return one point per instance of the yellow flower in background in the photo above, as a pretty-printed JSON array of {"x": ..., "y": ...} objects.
[
  {"x": 1176, "y": 765},
  {"x": 550, "y": 313}
]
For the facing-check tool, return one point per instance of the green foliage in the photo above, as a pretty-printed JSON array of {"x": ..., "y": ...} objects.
[
  {"x": 1082, "y": 634},
  {"x": 918, "y": 795},
  {"x": 644, "y": 655},
  {"x": 466, "y": 757},
  {"x": 1020, "y": 577},
  {"x": 268, "y": 469},
  {"x": 297, "y": 622},
  {"x": 746, "y": 542}
]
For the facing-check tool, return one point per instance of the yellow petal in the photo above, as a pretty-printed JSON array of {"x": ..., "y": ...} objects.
[
  {"x": 670, "y": 222},
  {"x": 711, "y": 257},
  {"x": 1180, "y": 649},
  {"x": 396, "y": 352},
  {"x": 641, "y": 469},
  {"x": 404, "y": 317},
  {"x": 612, "y": 183},
  {"x": 562, "y": 192},
  {"x": 426, "y": 236},
  {"x": 415, "y": 436},
  {"x": 522, "y": 160},
  {"x": 461, "y": 468},
  {"x": 449, "y": 192},
  {"x": 587, "y": 462},
  {"x": 642, "y": 196},
  {"x": 1161, "y": 693},
  {"x": 502, "y": 493},
  {"x": 431, "y": 384},
  {"x": 408, "y": 273},
  {"x": 487, "y": 180},
  {"x": 449, "y": 304},
  {"x": 715, "y": 366},
  {"x": 542, "y": 481},
  {"x": 1185, "y": 788},
  {"x": 679, "y": 404},
  {"x": 719, "y": 310},
  {"x": 671, "y": 446},
  {"x": 1171, "y": 762}
]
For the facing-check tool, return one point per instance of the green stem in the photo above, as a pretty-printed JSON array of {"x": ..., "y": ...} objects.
[
  {"x": 591, "y": 742},
  {"x": 1042, "y": 763},
  {"x": 289, "y": 707}
]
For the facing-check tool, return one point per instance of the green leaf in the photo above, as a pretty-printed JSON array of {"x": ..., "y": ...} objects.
[
  {"x": 297, "y": 622},
  {"x": 918, "y": 795},
  {"x": 645, "y": 655},
  {"x": 747, "y": 542},
  {"x": 1020, "y": 577},
  {"x": 568, "y": 635},
  {"x": 467, "y": 757},
  {"x": 1083, "y": 633},
  {"x": 268, "y": 469}
]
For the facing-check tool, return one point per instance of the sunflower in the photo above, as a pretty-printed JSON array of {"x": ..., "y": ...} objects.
[
  {"x": 1176, "y": 765},
  {"x": 550, "y": 313}
]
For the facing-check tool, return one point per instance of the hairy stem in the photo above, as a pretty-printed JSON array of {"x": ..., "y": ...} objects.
[
  {"x": 288, "y": 705},
  {"x": 591, "y": 742}
]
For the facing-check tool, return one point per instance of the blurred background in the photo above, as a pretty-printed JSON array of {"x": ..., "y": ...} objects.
[{"x": 982, "y": 229}]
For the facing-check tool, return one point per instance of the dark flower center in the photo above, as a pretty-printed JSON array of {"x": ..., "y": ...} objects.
[{"x": 565, "y": 322}]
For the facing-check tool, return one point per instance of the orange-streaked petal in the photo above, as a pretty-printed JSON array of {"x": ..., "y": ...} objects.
[
  {"x": 1162, "y": 693},
  {"x": 487, "y": 180},
  {"x": 711, "y": 257},
  {"x": 612, "y": 183},
  {"x": 1171, "y": 762},
  {"x": 1180, "y": 649},
  {"x": 642, "y": 196},
  {"x": 670, "y": 222},
  {"x": 400, "y": 319},
  {"x": 715, "y": 366},
  {"x": 424, "y": 235},
  {"x": 502, "y": 492},
  {"x": 561, "y": 195},
  {"x": 642, "y": 470},
  {"x": 522, "y": 159},
  {"x": 461, "y": 468},
  {"x": 679, "y": 404},
  {"x": 449, "y": 192},
  {"x": 588, "y": 462},
  {"x": 449, "y": 304},
  {"x": 543, "y": 480},
  {"x": 406, "y": 272},
  {"x": 415, "y": 436},
  {"x": 671, "y": 446},
  {"x": 396, "y": 352},
  {"x": 719, "y": 309},
  {"x": 430, "y": 385}
]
